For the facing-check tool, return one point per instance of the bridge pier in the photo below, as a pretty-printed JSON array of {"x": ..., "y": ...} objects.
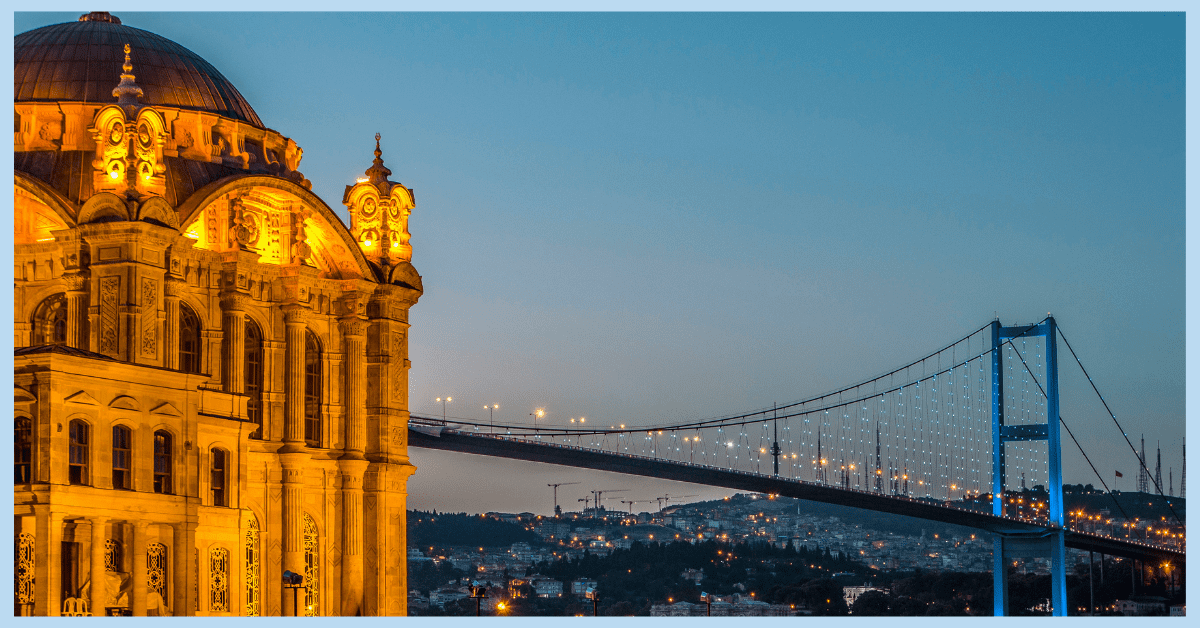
[{"x": 1006, "y": 547}]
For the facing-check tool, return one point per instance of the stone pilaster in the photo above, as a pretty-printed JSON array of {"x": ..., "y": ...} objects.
[
  {"x": 295, "y": 317},
  {"x": 352, "y": 536},
  {"x": 183, "y": 544},
  {"x": 77, "y": 314},
  {"x": 97, "y": 565},
  {"x": 47, "y": 571},
  {"x": 171, "y": 289},
  {"x": 233, "y": 324},
  {"x": 141, "y": 575},
  {"x": 293, "y": 456},
  {"x": 354, "y": 331}
]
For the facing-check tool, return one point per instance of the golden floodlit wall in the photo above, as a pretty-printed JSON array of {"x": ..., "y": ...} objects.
[{"x": 211, "y": 369}]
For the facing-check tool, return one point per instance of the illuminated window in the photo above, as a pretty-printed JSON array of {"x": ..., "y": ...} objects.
[
  {"x": 77, "y": 464},
  {"x": 162, "y": 462},
  {"x": 22, "y": 450},
  {"x": 122, "y": 457},
  {"x": 312, "y": 389},
  {"x": 189, "y": 340},
  {"x": 254, "y": 376}
]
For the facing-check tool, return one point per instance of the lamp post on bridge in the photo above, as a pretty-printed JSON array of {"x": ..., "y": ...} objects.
[
  {"x": 494, "y": 406},
  {"x": 444, "y": 401},
  {"x": 537, "y": 414}
]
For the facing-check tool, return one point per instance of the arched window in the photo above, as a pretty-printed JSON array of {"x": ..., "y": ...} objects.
[
  {"x": 162, "y": 462},
  {"x": 122, "y": 457},
  {"x": 220, "y": 471},
  {"x": 189, "y": 340},
  {"x": 77, "y": 463},
  {"x": 22, "y": 450},
  {"x": 312, "y": 558},
  {"x": 254, "y": 376},
  {"x": 50, "y": 321},
  {"x": 253, "y": 608},
  {"x": 312, "y": 389}
]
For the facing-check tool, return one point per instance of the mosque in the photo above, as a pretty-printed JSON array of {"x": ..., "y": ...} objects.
[{"x": 211, "y": 369}]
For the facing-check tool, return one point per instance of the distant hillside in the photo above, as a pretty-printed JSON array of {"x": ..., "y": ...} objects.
[{"x": 427, "y": 529}]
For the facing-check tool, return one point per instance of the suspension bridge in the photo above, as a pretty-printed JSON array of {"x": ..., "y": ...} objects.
[{"x": 949, "y": 438}]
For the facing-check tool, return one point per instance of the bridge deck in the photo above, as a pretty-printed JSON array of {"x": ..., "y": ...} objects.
[{"x": 566, "y": 455}]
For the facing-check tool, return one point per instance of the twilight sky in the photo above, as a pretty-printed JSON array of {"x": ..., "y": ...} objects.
[{"x": 658, "y": 217}]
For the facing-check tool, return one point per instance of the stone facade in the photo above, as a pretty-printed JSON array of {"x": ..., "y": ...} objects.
[{"x": 211, "y": 370}]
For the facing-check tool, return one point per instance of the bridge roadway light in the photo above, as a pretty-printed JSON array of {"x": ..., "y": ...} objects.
[{"x": 444, "y": 401}]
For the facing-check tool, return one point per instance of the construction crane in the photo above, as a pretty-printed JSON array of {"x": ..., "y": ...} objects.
[
  {"x": 667, "y": 497},
  {"x": 586, "y": 501},
  {"x": 631, "y": 502},
  {"x": 599, "y": 495},
  {"x": 557, "y": 510}
]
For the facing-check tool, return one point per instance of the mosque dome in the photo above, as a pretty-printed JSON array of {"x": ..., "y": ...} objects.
[{"x": 81, "y": 62}]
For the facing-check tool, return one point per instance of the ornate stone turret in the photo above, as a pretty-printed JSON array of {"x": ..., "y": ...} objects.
[{"x": 379, "y": 211}]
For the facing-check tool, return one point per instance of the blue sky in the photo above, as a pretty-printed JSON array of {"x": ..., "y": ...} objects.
[{"x": 687, "y": 215}]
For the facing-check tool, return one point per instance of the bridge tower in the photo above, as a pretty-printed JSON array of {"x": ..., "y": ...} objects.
[
  {"x": 1012, "y": 545},
  {"x": 878, "y": 464}
]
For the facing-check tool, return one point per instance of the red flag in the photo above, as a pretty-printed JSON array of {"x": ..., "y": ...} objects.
[{"x": 1119, "y": 474}]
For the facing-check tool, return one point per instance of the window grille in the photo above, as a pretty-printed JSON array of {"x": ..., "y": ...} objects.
[
  {"x": 218, "y": 590},
  {"x": 156, "y": 569},
  {"x": 25, "y": 567},
  {"x": 312, "y": 559},
  {"x": 112, "y": 556},
  {"x": 252, "y": 561}
]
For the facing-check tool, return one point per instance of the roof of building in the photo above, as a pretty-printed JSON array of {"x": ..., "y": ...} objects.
[{"x": 81, "y": 62}]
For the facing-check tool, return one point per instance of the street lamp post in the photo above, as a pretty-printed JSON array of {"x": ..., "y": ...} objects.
[
  {"x": 478, "y": 592},
  {"x": 595, "y": 598},
  {"x": 494, "y": 406},
  {"x": 444, "y": 401},
  {"x": 295, "y": 582},
  {"x": 537, "y": 414}
]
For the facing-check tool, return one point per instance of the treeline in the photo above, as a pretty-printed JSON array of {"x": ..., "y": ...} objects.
[
  {"x": 440, "y": 530},
  {"x": 630, "y": 581}
]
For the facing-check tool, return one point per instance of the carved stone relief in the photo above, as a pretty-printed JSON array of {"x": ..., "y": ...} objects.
[{"x": 109, "y": 287}]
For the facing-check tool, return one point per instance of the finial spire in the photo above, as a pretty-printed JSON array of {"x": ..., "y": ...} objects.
[
  {"x": 378, "y": 173},
  {"x": 127, "y": 92}
]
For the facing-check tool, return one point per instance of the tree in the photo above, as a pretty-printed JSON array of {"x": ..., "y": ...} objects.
[{"x": 871, "y": 603}]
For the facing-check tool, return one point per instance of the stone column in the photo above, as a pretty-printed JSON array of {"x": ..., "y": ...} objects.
[
  {"x": 293, "y": 456},
  {"x": 295, "y": 317},
  {"x": 97, "y": 578},
  {"x": 47, "y": 573},
  {"x": 233, "y": 308},
  {"x": 353, "y": 465},
  {"x": 171, "y": 290},
  {"x": 141, "y": 576},
  {"x": 354, "y": 330},
  {"x": 183, "y": 544},
  {"x": 77, "y": 314}
]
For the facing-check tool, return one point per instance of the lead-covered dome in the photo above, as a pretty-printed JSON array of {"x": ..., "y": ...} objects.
[{"x": 81, "y": 62}]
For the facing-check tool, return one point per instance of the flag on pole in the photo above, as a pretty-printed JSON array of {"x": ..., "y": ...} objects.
[{"x": 1119, "y": 474}]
